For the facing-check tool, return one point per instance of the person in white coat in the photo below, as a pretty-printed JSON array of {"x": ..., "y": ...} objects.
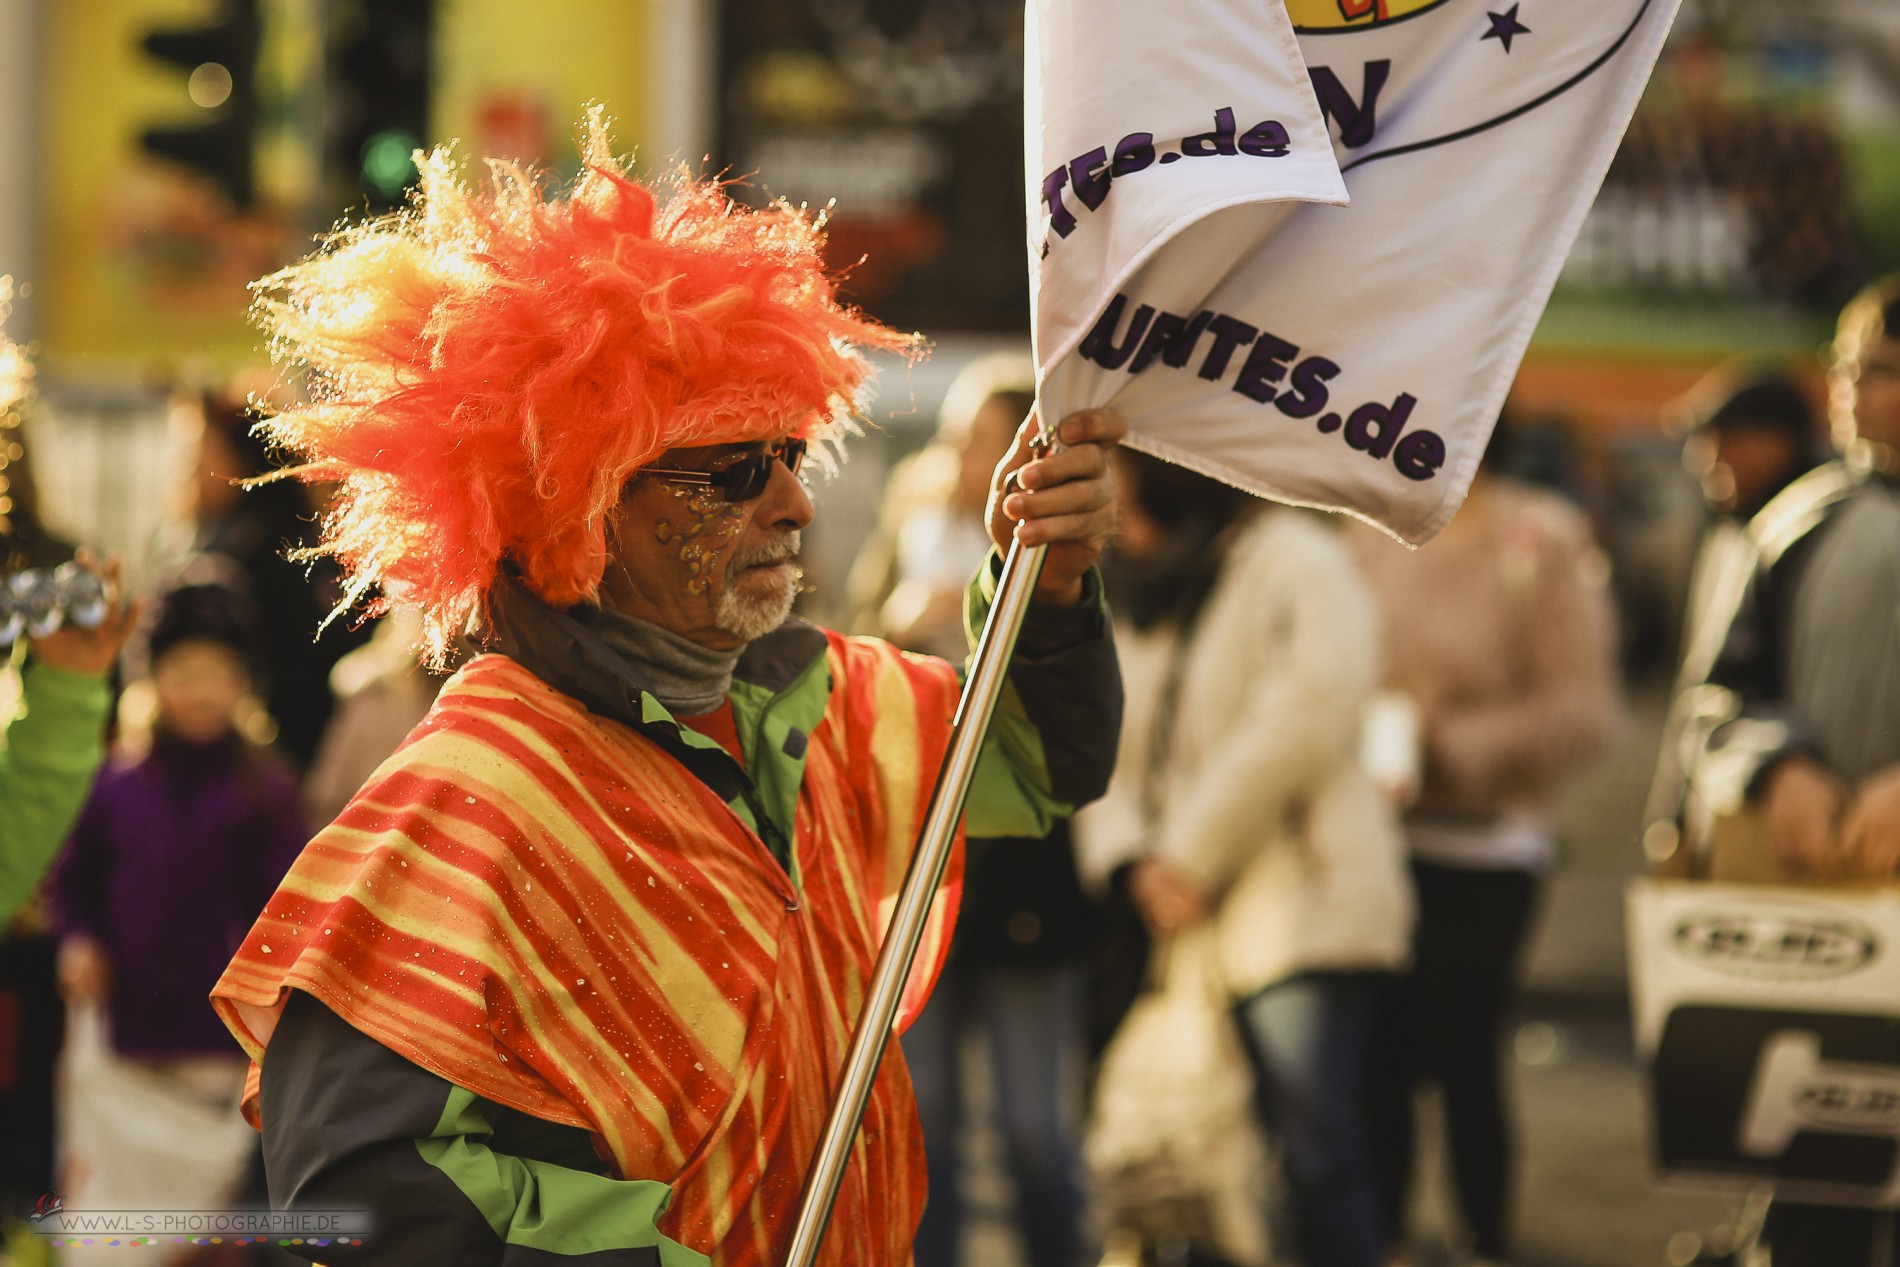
[{"x": 1250, "y": 649}]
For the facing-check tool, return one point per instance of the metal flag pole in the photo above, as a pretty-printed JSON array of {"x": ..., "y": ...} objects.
[{"x": 988, "y": 667}]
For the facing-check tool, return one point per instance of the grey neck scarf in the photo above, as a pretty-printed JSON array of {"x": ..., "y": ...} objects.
[
  {"x": 686, "y": 677},
  {"x": 606, "y": 659}
]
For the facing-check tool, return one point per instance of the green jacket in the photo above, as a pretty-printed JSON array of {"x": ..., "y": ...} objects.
[{"x": 54, "y": 745}]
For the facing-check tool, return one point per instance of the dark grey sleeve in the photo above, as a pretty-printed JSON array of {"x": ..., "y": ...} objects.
[
  {"x": 1066, "y": 674},
  {"x": 342, "y": 1115},
  {"x": 1754, "y": 662}
]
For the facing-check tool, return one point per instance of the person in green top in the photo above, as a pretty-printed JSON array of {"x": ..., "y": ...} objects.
[{"x": 55, "y": 741}]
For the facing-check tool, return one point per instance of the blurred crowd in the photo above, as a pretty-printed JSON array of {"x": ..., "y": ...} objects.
[
  {"x": 1207, "y": 1003},
  {"x": 234, "y": 729},
  {"x": 1307, "y": 894},
  {"x": 1309, "y": 884}
]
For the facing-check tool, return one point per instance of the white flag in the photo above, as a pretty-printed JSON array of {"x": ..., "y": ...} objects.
[{"x": 1191, "y": 263}]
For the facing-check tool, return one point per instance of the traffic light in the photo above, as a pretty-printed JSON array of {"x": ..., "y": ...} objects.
[
  {"x": 378, "y": 99},
  {"x": 220, "y": 61}
]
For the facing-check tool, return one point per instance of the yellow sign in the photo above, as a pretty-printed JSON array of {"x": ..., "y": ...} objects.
[
  {"x": 145, "y": 265},
  {"x": 512, "y": 79}
]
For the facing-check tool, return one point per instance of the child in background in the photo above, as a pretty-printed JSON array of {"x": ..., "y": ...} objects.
[{"x": 169, "y": 865}]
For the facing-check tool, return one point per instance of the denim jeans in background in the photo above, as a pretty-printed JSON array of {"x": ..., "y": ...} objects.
[
  {"x": 1031, "y": 1025},
  {"x": 1307, "y": 1036}
]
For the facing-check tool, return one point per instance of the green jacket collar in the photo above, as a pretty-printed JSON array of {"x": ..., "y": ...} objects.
[{"x": 780, "y": 690}]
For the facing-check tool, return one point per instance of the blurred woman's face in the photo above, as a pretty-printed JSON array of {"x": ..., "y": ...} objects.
[
  {"x": 984, "y": 446},
  {"x": 199, "y": 687}
]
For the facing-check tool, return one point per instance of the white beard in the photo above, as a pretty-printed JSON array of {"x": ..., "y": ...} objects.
[{"x": 753, "y": 614}]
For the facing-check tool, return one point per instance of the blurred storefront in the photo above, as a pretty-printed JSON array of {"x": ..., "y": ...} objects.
[
  {"x": 907, "y": 113},
  {"x": 1758, "y": 187}
]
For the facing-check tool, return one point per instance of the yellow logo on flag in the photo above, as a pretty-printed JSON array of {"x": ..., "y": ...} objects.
[{"x": 1340, "y": 15}]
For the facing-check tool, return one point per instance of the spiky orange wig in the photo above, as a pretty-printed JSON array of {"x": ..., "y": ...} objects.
[{"x": 488, "y": 368}]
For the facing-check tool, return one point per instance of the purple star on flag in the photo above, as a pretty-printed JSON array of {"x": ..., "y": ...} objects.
[{"x": 1505, "y": 27}]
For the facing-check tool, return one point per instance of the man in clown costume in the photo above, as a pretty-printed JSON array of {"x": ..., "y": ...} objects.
[{"x": 572, "y": 978}]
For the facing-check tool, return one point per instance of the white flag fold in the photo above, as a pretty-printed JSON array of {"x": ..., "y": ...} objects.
[{"x": 1192, "y": 263}]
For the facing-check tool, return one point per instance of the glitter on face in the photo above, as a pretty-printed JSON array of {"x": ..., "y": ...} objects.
[{"x": 714, "y": 523}]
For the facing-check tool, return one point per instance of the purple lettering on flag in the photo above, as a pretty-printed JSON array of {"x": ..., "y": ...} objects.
[
  {"x": 1229, "y": 334},
  {"x": 1266, "y": 365},
  {"x": 1101, "y": 347},
  {"x": 1171, "y": 338},
  {"x": 1309, "y": 392}
]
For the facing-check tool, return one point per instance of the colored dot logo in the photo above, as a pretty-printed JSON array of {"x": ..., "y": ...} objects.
[{"x": 1314, "y": 16}]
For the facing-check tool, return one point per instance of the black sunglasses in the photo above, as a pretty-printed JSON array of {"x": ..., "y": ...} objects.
[{"x": 741, "y": 480}]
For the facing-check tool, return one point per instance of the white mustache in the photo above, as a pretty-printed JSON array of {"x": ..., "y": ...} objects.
[{"x": 784, "y": 550}]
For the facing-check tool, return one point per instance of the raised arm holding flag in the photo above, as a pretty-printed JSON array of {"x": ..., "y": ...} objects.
[{"x": 571, "y": 978}]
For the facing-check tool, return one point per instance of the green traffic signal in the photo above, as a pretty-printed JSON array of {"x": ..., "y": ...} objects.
[{"x": 389, "y": 164}]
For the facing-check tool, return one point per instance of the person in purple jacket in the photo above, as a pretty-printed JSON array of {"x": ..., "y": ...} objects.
[
  {"x": 176, "y": 852},
  {"x": 172, "y": 859}
]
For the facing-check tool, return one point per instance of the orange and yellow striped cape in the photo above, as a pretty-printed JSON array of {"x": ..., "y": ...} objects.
[{"x": 542, "y": 906}]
